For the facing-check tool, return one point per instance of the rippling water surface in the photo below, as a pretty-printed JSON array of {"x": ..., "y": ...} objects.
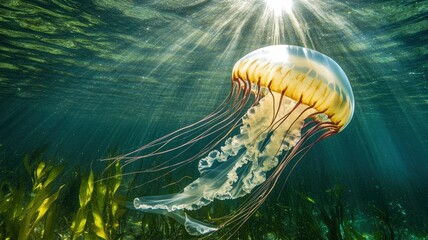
[{"x": 83, "y": 77}]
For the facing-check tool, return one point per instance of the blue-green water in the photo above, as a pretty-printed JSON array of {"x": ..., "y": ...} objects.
[{"x": 82, "y": 78}]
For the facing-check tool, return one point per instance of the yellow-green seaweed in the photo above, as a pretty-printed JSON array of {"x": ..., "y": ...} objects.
[
  {"x": 99, "y": 212},
  {"x": 29, "y": 216}
]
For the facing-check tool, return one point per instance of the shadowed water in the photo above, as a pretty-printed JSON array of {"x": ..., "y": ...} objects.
[{"x": 84, "y": 77}]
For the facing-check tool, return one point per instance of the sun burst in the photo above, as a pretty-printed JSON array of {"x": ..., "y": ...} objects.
[{"x": 280, "y": 6}]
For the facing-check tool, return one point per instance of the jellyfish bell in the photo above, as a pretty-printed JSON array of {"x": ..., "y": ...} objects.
[
  {"x": 293, "y": 97},
  {"x": 303, "y": 75}
]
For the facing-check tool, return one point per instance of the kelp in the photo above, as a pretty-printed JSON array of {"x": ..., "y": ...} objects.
[
  {"x": 387, "y": 219},
  {"x": 85, "y": 195},
  {"x": 333, "y": 215},
  {"x": 99, "y": 212},
  {"x": 29, "y": 208},
  {"x": 33, "y": 198},
  {"x": 30, "y": 215}
]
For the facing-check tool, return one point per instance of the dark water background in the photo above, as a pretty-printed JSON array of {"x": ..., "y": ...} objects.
[{"x": 86, "y": 76}]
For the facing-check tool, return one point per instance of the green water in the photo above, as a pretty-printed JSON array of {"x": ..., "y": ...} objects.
[{"x": 80, "y": 78}]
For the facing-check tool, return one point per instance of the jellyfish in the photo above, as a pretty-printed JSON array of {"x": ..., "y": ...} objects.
[{"x": 283, "y": 100}]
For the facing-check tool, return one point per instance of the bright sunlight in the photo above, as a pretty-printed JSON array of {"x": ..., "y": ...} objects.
[{"x": 280, "y": 6}]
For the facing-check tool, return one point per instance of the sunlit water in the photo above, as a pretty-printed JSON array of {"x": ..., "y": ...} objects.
[{"x": 83, "y": 77}]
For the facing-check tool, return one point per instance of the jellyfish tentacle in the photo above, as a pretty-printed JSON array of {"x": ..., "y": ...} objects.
[
  {"x": 225, "y": 119},
  {"x": 251, "y": 204},
  {"x": 231, "y": 121},
  {"x": 222, "y": 173},
  {"x": 300, "y": 97}
]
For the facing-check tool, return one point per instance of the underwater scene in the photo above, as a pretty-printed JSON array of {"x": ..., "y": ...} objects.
[{"x": 214, "y": 119}]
